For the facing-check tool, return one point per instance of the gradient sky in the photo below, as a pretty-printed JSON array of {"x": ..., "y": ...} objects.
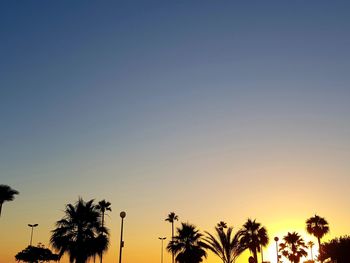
[{"x": 217, "y": 110}]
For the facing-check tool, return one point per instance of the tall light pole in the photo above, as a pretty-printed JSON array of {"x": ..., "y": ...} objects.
[
  {"x": 31, "y": 234},
  {"x": 122, "y": 215},
  {"x": 161, "y": 251},
  {"x": 276, "y": 239}
]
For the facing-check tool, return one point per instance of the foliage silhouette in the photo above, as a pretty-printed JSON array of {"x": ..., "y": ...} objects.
[
  {"x": 187, "y": 245},
  {"x": 6, "y": 194},
  {"x": 172, "y": 217},
  {"x": 293, "y": 247},
  {"x": 36, "y": 254},
  {"x": 254, "y": 236},
  {"x": 221, "y": 225},
  {"x": 318, "y": 227},
  {"x": 103, "y": 206},
  {"x": 337, "y": 249},
  {"x": 225, "y": 244},
  {"x": 80, "y": 233}
]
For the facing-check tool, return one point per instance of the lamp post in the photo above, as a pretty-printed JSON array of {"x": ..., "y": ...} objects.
[
  {"x": 161, "y": 251},
  {"x": 31, "y": 234},
  {"x": 276, "y": 239},
  {"x": 122, "y": 215}
]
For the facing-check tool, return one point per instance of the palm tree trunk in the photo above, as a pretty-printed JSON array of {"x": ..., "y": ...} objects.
[
  {"x": 172, "y": 238},
  {"x": 103, "y": 219},
  {"x": 0, "y": 208},
  {"x": 319, "y": 246},
  {"x": 255, "y": 254}
]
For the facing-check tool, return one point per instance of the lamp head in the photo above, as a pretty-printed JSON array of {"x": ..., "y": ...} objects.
[{"x": 122, "y": 214}]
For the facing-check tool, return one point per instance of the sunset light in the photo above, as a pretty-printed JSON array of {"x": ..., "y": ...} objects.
[{"x": 175, "y": 131}]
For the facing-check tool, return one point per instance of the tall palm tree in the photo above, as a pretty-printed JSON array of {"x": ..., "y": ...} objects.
[
  {"x": 80, "y": 233},
  {"x": 293, "y": 247},
  {"x": 318, "y": 227},
  {"x": 6, "y": 194},
  {"x": 103, "y": 206},
  {"x": 254, "y": 236},
  {"x": 172, "y": 217},
  {"x": 187, "y": 245},
  {"x": 225, "y": 245}
]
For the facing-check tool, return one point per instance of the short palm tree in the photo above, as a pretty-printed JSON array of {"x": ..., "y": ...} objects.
[
  {"x": 187, "y": 245},
  {"x": 318, "y": 227},
  {"x": 6, "y": 194},
  {"x": 310, "y": 244},
  {"x": 172, "y": 217},
  {"x": 253, "y": 237},
  {"x": 224, "y": 244},
  {"x": 103, "y": 206},
  {"x": 80, "y": 233},
  {"x": 293, "y": 247}
]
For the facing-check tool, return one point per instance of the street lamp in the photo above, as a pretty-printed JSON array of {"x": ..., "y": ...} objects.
[
  {"x": 161, "y": 251},
  {"x": 122, "y": 215},
  {"x": 276, "y": 239},
  {"x": 31, "y": 234}
]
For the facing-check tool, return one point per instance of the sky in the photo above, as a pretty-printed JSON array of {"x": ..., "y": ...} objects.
[{"x": 216, "y": 110}]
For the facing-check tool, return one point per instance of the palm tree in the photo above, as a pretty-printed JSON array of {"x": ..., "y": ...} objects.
[
  {"x": 80, "y": 233},
  {"x": 187, "y": 245},
  {"x": 318, "y": 227},
  {"x": 254, "y": 236},
  {"x": 6, "y": 194},
  {"x": 225, "y": 245},
  {"x": 293, "y": 247},
  {"x": 103, "y": 206},
  {"x": 172, "y": 217},
  {"x": 310, "y": 244},
  {"x": 221, "y": 225}
]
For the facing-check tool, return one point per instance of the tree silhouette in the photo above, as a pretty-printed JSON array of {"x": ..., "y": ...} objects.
[
  {"x": 310, "y": 244},
  {"x": 172, "y": 217},
  {"x": 318, "y": 227},
  {"x": 221, "y": 225},
  {"x": 254, "y": 236},
  {"x": 36, "y": 254},
  {"x": 336, "y": 249},
  {"x": 6, "y": 194},
  {"x": 293, "y": 247},
  {"x": 80, "y": 233},
  {"x": 103, "y": 206},
  {"x": 225, "y": 244},
  {"x": 187, "y": 245}
]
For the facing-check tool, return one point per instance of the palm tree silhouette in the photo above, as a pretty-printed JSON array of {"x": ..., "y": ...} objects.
[
  {"x": 187, "y": 245},
  {"x": 6, "y": 194},
  {"x": 221, "y": 225},
  {"x": 318, "y": 227},
  {"x": 254, "y": 236},
  {"x": 172, "y": 217},
  {"x": 103, "y": 206},
  {"x": 293, "y": 247},
  {"x": 225, "y": 245},
  {"x": 80, "y": 233},
  {"x": 310, "y": 244}
]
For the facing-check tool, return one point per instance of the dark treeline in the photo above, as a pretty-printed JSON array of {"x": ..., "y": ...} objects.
[{"x": 82, "y": 234}]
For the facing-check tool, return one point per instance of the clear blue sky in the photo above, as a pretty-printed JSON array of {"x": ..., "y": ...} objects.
[{"x": 128, "y": 96}]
